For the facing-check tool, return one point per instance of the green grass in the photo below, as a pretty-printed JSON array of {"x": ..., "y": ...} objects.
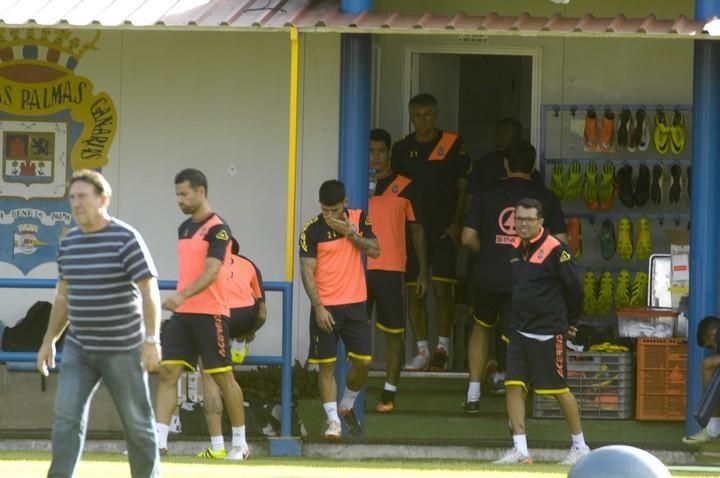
[{"x": 94, "y": 465}]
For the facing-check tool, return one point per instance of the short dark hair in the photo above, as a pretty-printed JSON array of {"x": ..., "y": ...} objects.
[
  {"x": 521, "y": 158},
  {"x": 512, "y": 125},
  {"x": 94, "y": 178},
  {"x": 234, "y": 246},
  {"x": 332, "y": 192},
  {"x": 195, "y": 177},
  {"x": 379, "y": 134},
  {"x": 529, "y": 203},
  {"x": 423, "y": 99},
  {"x": 708, "y": 323}
]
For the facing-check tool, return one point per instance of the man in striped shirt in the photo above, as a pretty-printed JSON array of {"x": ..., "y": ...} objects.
[{"x": 107, "y": 294}]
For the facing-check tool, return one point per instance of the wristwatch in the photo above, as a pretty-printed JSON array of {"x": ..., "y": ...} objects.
[{"x": 152, "y": 340}]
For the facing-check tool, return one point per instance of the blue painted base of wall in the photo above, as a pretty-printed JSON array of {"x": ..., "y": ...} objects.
[{"x": 285, "y": 446}]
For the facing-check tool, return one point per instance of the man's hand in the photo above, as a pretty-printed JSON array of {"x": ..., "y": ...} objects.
[
  {"x": 421, "y": 284},
  {"x": 324, "y": 318},
  {"x": 453, "y": 232},
  {"x": 46, "y": 358},
  {"x": 173, "y": 302},
  {"x": 151, "y": 357},
  {"x": 341, "y": 226}
]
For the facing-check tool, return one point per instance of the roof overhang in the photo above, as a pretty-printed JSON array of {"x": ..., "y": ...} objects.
[{"x": 325, "y": 16}]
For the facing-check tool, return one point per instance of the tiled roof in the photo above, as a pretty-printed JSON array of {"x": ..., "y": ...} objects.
[{"x": 324, "y": 15}]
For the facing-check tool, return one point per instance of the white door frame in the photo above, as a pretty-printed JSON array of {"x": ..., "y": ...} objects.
[{"x": 534, "y": 52}]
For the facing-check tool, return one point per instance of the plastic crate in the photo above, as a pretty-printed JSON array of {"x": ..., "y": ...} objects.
[
  {"x": 661, "y": 379},
  {"x": 602, "y": 384}
]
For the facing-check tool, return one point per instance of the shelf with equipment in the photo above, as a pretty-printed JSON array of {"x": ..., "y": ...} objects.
[{"x": 582, "y": 148}]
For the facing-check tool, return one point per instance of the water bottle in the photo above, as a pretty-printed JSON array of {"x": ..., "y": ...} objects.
[{"x": 373, "y": 182}]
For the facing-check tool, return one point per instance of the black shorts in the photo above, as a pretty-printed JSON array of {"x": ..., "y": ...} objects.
[
  {"x": 187, "y": 336},
  {"x": 243, "y": 320},
  {"x": 490, "y": 308},
  {"x": 385, "y": 289},
  {"x": 441, "y": 257},
  {"x": 351, "y": 324},
  {"x": 543, "y": 363}
]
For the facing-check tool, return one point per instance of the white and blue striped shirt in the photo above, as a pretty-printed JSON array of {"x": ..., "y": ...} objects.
[{"x": 101, "y": 270}]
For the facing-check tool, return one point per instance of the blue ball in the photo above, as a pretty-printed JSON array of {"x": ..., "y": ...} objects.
[{"x": 619, "y": 461}]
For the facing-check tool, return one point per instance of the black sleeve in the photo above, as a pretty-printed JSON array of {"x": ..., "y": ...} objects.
[
  {"x": 412, "y": 194},
  {"x": 555, "y": 221},
  {"x": 365, "y": 226},
  {"x": 568, "y": 275},
  {"x": 218, "y": 237},
  {"x": 474, "y": 216},
  {"x": 462, "y": 164},
  {"x": 261, "y": 286},
  {"x": 308, "y": 239}
]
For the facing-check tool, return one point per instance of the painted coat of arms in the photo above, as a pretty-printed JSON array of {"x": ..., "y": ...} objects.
[{"x": 51, "y": 123}]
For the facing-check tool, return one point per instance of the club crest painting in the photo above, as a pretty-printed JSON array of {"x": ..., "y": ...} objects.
[{"x": 51, "y": 123}]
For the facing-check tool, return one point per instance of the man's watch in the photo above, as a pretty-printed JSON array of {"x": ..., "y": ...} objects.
[{"x": 152, "y": 340}]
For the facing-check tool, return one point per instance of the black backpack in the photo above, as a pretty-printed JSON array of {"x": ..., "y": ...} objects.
[{"x": 27, "y": 335}]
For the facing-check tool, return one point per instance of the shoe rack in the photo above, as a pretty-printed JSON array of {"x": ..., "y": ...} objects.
[{"x": 566, "y": 146}]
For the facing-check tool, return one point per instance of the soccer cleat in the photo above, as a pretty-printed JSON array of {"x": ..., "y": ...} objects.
[
  {"x": 607, "y": 132},
  {"x": 675, "y": 183},
  {"x": 573, "y": 184},
  {"x": 333, "y": 430},
  {"x": 590, "y": 189},
  {"x": 625, "y": 186},
  {"x": 699, "y": 438},
  {"x": 557, "y": 185},
  {"x": 624, "y": 239},
  {"x": 214, "y": 455},
  {"x": 590, "y": 135},
  {"x": 574, "y": 236},
  {"x": 656, "y": 188},
  {"x": 640, "y": 136},
  {"x": 677, "y": 133},
  {"x": 238, "y": 453},
  {"x": 514, "y": 457},
  {"x": 351, "y": 422},
  {"x": 607, "y": 239},
  {"x": 497, "y": 383},
  {"x": 574, "y": 455},
  {"x": 605, "y": 297},
  {"x": 622, "y": 291},
  {"x": 471, "y": 407},
  {"x": 589, "y": 293},
  {"x": 385, "y": 407},
  {"x": 438, "y": 362},
  {"x": 638, "y": 290},
  {"x": 607, "y": 186},
  {"x": 419, "y": 363},
  {"x": 661, "y": 133},
  {"x": 642, "y": 187},
  {"x": 238, "y": 351},
  {"x": 643, "y": 246},
  {"x": 624, "y": 128}
]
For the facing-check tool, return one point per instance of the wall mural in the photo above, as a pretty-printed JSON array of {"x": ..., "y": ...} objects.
[{"x": 51, "y": 123}]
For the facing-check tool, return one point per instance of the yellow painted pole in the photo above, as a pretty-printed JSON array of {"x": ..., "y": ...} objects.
[{"x": 292, "y": 154}]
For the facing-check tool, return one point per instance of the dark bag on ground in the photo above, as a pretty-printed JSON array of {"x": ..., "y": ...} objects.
[
  {"x": 27, "y": 335},
  {"x": 260, "y": 420}
]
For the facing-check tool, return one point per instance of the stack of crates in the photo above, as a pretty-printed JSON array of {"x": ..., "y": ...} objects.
[
  {"x": 661, "y": 379},
  {"x": 602, "y": 383}
]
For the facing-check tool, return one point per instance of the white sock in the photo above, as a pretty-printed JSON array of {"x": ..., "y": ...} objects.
[
  {"x": 444, "y": 343},
  {"x": 238, "y": 439},
  {"x": 473, "y": 393},
  {"x": 713, "y": 426},
  {"x": 217, "y": 443},
  {"x": 331, "y": 411},
  {"x": 162, "y": 434},
  {"x": 578, "y": 441},
  {"x": 520, "y": 443},
  {"x": 348, "y": 399},
  {"x": 390, "y": 387},
  {"x": 423, "y": 347}
]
